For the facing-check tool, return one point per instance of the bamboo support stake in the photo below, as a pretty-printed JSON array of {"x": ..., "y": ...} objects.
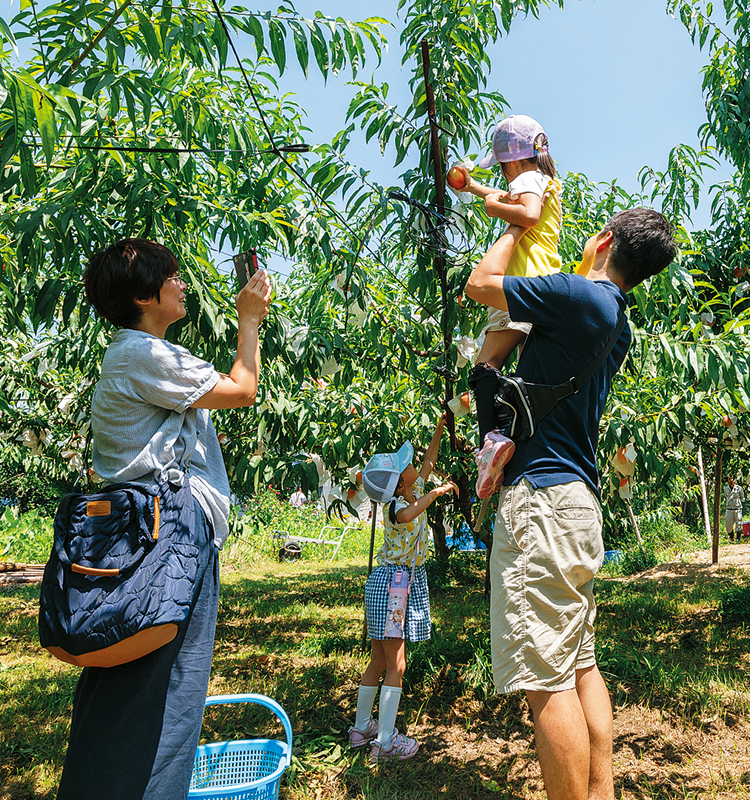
[
  {"x": 633, "y": 522},
  {"x": 369, "y": 566}
]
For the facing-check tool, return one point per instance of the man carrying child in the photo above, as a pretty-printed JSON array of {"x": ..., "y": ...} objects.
[{"x": 547, "y": 543}]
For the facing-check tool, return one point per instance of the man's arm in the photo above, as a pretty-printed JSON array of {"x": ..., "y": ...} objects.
[{"x": 485, "y": 284}]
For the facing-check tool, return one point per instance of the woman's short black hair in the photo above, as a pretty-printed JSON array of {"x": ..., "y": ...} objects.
[{"x": 130, "y": 270}]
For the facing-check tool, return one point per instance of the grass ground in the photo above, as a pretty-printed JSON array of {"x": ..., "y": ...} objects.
[{"x": 679, "y": 674}]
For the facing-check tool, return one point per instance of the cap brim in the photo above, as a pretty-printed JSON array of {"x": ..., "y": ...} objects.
[
  {"x": 404, "y": 456},
  {"x": 487, "y": 162}
]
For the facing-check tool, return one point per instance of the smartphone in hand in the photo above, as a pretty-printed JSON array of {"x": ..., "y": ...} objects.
[{"x": 245, "y": 265}]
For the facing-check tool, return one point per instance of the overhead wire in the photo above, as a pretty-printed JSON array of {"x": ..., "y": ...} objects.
[
  {"x": 195, "y": 151},
  {"x": 275, "y": 149},
  {"x": 280, "y": 152}
]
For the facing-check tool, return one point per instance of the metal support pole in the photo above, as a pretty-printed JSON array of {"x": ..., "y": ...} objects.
[{"x": 369, "y": 566}]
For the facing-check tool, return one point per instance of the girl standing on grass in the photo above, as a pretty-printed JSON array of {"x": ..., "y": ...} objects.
[
  {"x": 390, "y": 478},
  {"x": 521, "y": 147}
]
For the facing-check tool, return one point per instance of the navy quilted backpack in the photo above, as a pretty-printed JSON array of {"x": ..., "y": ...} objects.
[{"x": 121, "y": 575}]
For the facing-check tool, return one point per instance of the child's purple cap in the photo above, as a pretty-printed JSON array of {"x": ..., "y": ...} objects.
[{"x": 513, "y": 140}]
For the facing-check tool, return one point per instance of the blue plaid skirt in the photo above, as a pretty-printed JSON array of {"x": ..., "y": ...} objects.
[{"x": 418, "y": 622}]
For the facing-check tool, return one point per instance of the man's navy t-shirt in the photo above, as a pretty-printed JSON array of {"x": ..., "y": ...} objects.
[{"x": 573, "y": 319}]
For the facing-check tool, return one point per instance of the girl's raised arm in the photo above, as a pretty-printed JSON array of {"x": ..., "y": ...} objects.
[{"x": 430, "y": 457}]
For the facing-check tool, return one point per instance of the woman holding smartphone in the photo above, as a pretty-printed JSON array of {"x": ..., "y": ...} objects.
[{"x": 135, "y": 727}]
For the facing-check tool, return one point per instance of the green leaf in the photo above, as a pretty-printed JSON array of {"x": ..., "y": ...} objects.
[
  {"x": 45, "y": 119},
  {"x": 22, "y": 99},
  {"x": 278, "y": 48},
  {"x": 7, "y": 148},
  {"x": 150, "y": 36},
  {"x": 320, "y": 49},
  {"x": 219, "y": 38},
  {"x": 254, "y": 28},
  {"x": 28, "y": 171},
  {"x": 300, "y": 45},
  {"x": 8, "y": 34}
]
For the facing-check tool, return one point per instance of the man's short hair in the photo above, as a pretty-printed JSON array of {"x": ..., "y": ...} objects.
[
  {"x": 642, "y": 244},
  {"x": 130, "y": 270}
]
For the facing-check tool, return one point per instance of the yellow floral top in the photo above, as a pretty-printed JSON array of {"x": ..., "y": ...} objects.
[{"x": 402, "y": 538}]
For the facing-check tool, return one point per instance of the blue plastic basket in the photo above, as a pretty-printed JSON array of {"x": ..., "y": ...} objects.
[
  {"x": 612, "y": 557},
  {"x": 242, "y": 770}
]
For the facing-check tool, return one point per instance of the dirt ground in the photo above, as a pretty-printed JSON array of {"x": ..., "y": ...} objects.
[
  {"x": 697, "y": 566},
  {"x": 655, "y": 758},
  {"x": 656, "y": 754}
]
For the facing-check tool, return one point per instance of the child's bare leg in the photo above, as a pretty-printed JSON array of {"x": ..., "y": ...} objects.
[
  {"x": 390, "y": 693},
  {"x": 378, "y": 664},
  {"x": 498, "y": 345}
]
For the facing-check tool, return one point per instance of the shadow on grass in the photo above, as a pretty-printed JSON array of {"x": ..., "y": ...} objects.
[
  {"x": 331, "y": 586},
  {"x": 296, "y": 637},
  {"x": 33, "y": 728},
  {"x": 653, "y": 747},
  {"x": 666, "y": 645}
]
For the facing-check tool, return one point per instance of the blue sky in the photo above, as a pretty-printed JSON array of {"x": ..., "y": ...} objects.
[{"x": 615, "y": 83}]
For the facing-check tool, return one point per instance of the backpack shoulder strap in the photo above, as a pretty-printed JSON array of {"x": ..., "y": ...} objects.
[{"x": 544, "y": 397}]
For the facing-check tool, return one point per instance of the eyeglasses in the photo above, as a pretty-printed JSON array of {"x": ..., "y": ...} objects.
[{"x": 176, "y": 277}]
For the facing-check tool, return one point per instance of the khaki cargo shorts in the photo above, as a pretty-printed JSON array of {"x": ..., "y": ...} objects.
[{"x": 547, "y": 547}]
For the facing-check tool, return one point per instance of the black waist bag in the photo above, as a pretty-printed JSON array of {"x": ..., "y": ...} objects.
[
  {"x": 521, "y": 406},
  {"x": 121, "y": 576},
  {"x": 514, "y": 409}
]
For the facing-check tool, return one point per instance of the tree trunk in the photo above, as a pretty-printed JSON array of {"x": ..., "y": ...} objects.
[
  {"x": 369, "y": 568},
  {"x": 437, "y": 523}
]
